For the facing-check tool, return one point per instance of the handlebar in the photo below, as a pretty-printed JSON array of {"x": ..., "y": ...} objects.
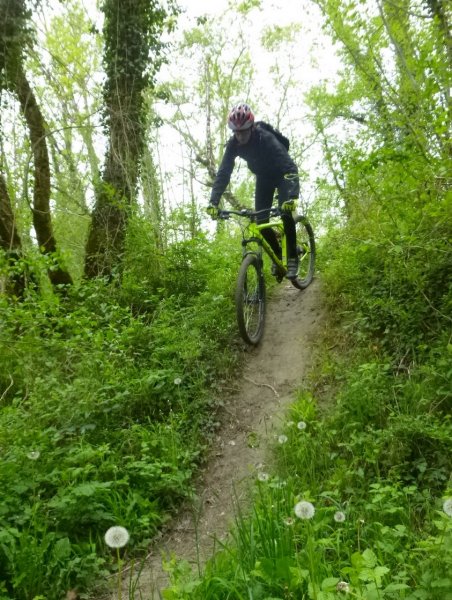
[{"x": 274, "y": 211}]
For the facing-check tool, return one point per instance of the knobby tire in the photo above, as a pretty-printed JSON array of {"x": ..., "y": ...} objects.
[
  {"x": 306, "y": 253},
  {"x": 250, "y": 299}
]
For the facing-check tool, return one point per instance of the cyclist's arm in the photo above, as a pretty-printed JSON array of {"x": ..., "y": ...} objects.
[
  {"x": 282, "y": 162},
  {"x": 223, "y": 175}
]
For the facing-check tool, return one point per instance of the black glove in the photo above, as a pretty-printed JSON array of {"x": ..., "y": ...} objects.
[
  {"x": 289, "y": 205},
  {"x": 213, "y": 211}
]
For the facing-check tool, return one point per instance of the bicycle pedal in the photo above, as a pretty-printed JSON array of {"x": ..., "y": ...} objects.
[{"x": 277, "y": 273}]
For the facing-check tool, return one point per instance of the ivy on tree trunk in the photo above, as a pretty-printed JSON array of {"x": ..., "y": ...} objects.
[{"x": 132, "y": 28}]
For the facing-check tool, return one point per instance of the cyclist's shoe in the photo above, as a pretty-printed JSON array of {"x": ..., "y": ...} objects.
[
  {"x": 292, "y": 268},
  {"x": 277, "y": 273}
]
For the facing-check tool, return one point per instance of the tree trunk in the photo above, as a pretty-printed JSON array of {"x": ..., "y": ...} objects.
[
  {"x": 15, "y": 282},
  {"x": 106, "y": 236},
  {"x": 126, "y": 32},
  {"x": 41, "y": 194},
  {"x": 9, "y": 237}
]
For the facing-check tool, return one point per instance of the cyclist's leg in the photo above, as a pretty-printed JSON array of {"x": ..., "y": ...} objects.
[
  {"x": 287, "y": 219},
  {"x": 263, "y": 199}
]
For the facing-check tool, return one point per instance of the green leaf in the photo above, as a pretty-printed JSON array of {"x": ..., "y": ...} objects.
[
  {"x": 62, "y": 549},
  {"x": 329, "y": 584},
  {"x": 370, "y": 559},
  {"x": 395, "y": 587},
  {"x": 442, "y": 583}
]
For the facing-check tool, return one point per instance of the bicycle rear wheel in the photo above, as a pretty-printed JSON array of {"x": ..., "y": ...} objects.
[
  {"x": 250, "y": 299},
  {"x": 306, "y": 253}
]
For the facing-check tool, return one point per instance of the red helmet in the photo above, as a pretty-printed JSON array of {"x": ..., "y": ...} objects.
[{"x": 241, "y": 117}]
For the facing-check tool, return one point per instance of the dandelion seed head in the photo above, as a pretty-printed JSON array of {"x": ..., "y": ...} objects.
[
  {"x": 343, "y": 586},
  {"x": 304, "y": 510},
  {"x": 447, "y": 507},
  {"x": 34, "y": 455},
  {"x": 289, "y": 521},
  {"x": 263, "y": 476},
  {"x": 339, "y": 516},
  {"x": 116, "y": 537},
  {"x": 282, "y": 439},
  {"x": 177, "y": 381},
  {"x": 301, "y": 425}
]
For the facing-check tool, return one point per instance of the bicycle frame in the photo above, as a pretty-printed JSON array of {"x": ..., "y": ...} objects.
[
  {"x": 255, "y": 234},
  {"x": 255, "y": 231},
  {"x": 250, "y": 288}
]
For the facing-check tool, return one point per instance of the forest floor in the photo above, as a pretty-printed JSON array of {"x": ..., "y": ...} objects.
[{"x": 252, "y": 417}]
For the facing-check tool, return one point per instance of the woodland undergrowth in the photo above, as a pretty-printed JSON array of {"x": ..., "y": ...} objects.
[
  {"x": 359, "y": 504},
  {"x": 108, "y": 403}
]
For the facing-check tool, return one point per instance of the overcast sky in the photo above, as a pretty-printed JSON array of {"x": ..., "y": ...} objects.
[
  {"x": 312, "y": 58},
  {"x": 312, "y": 61}
]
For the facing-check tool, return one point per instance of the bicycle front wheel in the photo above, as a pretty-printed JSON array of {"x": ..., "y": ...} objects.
[
  {"x": 306, "y": 253},
  {"x": 250, "y": 299}
]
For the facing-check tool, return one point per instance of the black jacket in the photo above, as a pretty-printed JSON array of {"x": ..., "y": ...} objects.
[{"x": 266, "y": 157}]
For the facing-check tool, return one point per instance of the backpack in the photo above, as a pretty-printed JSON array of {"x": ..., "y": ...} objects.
[{"x": 278, "y": 135}]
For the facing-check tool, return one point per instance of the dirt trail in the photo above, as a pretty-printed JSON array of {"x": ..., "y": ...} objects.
[{"x": 252, "y": 417}]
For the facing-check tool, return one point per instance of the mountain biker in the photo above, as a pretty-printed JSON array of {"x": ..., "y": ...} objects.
[{"x": 269, "y": 160}]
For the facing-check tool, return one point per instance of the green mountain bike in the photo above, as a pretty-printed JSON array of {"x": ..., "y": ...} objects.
[{"x": 250, "y": 297}]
